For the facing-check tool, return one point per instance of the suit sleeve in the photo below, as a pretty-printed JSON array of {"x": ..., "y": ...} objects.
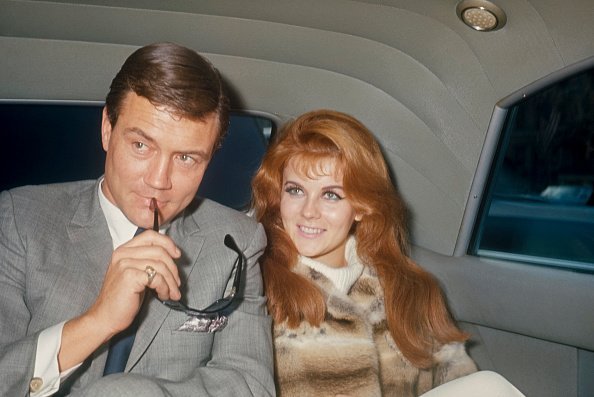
[
  {"x": 241, "y": 363},
  {"x": 17, "y": 349}
]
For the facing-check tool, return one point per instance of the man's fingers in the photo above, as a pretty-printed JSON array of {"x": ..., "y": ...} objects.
[
  {"x": 158, "y": 277},
  {"x": 135, "y": 255},
  {"x": 163, "y": 289},
  {"x": 150, "y": 273},
  {"x": 151, "y": 238}
]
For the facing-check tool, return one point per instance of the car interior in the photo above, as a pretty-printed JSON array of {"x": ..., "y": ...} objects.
[{"x": 484, "y": 111}]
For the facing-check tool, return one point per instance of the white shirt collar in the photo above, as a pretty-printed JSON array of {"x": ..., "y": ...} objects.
[{"x": 120, "y": 227}]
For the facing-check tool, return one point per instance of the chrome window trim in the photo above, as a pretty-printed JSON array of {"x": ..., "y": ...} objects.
[{"x": 487, "y": 157}]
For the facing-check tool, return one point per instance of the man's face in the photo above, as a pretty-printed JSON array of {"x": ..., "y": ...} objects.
[{"x": 153, "y": 153}]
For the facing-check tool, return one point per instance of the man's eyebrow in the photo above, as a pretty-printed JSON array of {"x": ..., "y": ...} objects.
[
  {"x": 199, "y": 153},
  {"x": 136, "y": 130}
]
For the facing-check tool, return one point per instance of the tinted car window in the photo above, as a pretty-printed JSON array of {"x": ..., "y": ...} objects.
[
  {"x": 540, "y": 203},
  {"x": 47, "y": 143}
]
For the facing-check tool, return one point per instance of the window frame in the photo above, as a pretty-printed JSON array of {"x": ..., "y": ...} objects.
[{"x": 487, "y": 168}]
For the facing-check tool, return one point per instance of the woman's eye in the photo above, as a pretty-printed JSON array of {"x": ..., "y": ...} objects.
[
  {"x": 293, "y": 190},
  {"x": 332, "y": 196}
]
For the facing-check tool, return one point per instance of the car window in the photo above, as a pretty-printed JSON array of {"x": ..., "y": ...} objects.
[
  {"x": 60, "y": 142},
  {"x": 539, "y": 201},
  {"x": 229, "y": 174}
]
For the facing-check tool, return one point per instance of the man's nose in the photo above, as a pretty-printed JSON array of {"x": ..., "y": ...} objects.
[{"x": 158, "y": 175}]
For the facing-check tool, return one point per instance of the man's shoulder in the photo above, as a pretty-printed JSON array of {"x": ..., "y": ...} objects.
[
  {"x": 212, "y": 215},
  {"x": 52, "y": 189},
  {"x": 49, "y": 196},
  {"x": 206, "y": 208}
]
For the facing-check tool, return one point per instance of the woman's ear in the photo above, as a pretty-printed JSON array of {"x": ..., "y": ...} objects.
[{"x": 358, "y": 217}]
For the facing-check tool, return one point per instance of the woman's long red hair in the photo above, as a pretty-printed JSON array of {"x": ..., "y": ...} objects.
[{"x": 416, "y": 313}]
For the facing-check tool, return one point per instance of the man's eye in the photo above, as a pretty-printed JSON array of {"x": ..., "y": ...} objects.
[
  {"x": 186, "y": 159},
  {"x": 139, "y": 145}
]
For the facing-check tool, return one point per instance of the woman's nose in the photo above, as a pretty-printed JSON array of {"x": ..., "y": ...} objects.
[{"x": 310, "y": 209}]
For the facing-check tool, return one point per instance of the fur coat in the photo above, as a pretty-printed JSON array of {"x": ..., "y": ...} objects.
[{"x": 352, "y": 351}]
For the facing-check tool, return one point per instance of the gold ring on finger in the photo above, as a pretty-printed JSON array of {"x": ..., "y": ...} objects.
[{"x": 150, "y": 273}]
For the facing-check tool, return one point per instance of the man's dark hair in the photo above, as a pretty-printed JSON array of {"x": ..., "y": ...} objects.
[{"x": 172, "y": 76}]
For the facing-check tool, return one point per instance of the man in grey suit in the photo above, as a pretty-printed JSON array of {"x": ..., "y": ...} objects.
[{"x": 76, "y": 276}]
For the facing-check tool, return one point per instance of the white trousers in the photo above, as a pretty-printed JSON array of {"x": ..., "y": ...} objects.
[{"x": 481, "y": 383}]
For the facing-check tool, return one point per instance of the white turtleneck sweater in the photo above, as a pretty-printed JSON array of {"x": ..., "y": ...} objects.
[{"x": 344, "y": 277}]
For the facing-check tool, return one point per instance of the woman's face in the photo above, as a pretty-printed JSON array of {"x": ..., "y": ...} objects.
[{"x": 316, "y": 214}]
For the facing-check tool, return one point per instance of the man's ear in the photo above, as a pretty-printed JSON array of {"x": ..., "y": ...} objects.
[{"x": 106, "y": 129}]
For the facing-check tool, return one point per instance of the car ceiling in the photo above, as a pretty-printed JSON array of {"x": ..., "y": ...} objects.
[{"x": 423, "y": 82}]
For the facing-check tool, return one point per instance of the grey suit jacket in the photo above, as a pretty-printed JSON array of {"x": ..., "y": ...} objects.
[{"x": 54, "y": 250}]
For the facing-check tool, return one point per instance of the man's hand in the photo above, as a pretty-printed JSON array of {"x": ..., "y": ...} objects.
[
  {"x": 126, "y": 279},
  {"x": 122, "y": 293}
]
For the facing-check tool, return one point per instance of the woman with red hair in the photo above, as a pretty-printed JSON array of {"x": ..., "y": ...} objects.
[{"x": 353, "y": 314}]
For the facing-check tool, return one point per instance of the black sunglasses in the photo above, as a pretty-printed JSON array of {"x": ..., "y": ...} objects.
[{"x": 215, "y": 309}]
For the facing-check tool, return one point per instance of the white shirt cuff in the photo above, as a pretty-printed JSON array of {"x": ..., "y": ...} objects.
[{"x": 47, "y": 372}]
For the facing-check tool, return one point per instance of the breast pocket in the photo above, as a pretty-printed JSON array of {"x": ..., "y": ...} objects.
[{"x": 191, "y": 348}]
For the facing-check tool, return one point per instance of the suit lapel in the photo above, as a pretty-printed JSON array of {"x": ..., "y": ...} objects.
[
  {"x": 89, "y": 235},
  {"x": 185, "y": 232},
  {"x": 90, "y": 238}
]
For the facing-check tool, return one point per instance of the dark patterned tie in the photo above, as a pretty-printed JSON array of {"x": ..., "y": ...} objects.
[{"x": 121, "y": 344}]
